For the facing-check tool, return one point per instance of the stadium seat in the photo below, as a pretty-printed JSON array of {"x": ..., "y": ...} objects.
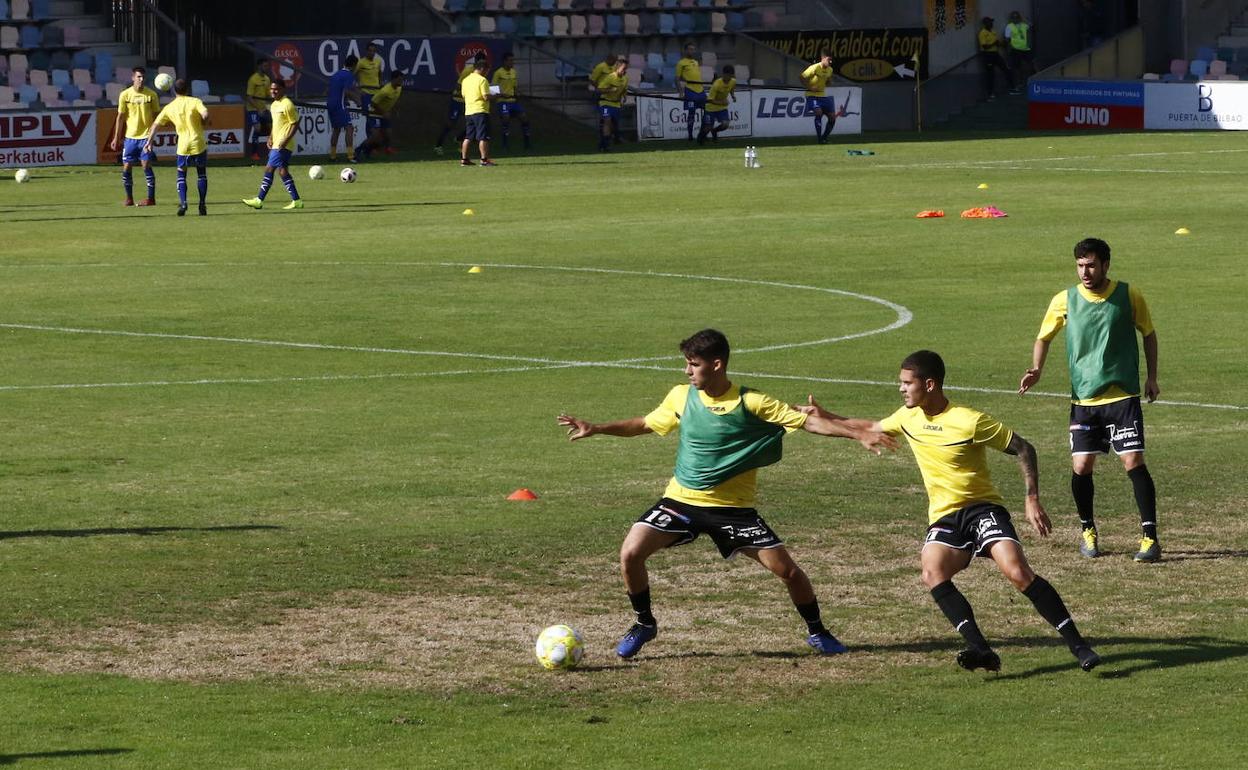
[
  {"x": 59, "y": 60},
  {"x": 10, "y": 38},
  {"x": 563, "y": 5},
  {"x": 704, "y": 3},
  {"x": 103, "y": 67},
  {"x": 199, "y": 88},
  {"x": 466, "y": 25},
  {"x": 654, "y": 60},
  {"x": 233, "y": 99},
  {"x": 615, "y": 25},
  {"x": 593, "y": 25},
  {"x": 1217, "y": 68},
  {"x": 1178, "y": 68},
  {"x": 771, "y": 19},
  {"x": 1206, "y": 53},
  {"x": 559, "y": 26},
  {"x": 632, "y": 24},
  {"x": 50, "y": 96},
  {"x": 93, "y": 92},
  {"x": 1150, "y": 76},
  {"x": 39, "y": 78},
  {"x": 619, "y": 5},
  {"x": 457, "y": 6},
  {"x": 438, "y": 5},
  {"x": 474, "y": 6},
  {"x": 600, "y": 5},
  {"x": 53, "y": 37},
  {"x": 19, "y": 9},
  {"x": 4, "y": 65},
  {"x": 743, "y": 73},
  {"x": 71, "y": 93},
  {"x": 18, "y": 61},
  {"x": 60, "y": 78},
  {"x": 634, "y": 78},
  {"x": 506, "y": 25},
  {"x": 706, "y": 74},
  {"x": 671, "y": 3},
  {"x": 167, "y": 70},
  {"x": 487, "y": 24},
  {"x": 541, "y": 26},
  {"x": 649, "y": 24},
  {"x": 4, "y": 9},
  {"x": 701, "y": 23},
  {"x": 40, "y": 60},
  {"x": 525, "y": 26},
  {"x": 1230, "y": 77},
  {"x": 82, "y": 60},
  {"x": 667, "y": 24},
  {"x": 1226, "y": 54},
  {"x": 121, "y": 74},
  {"x": 31, "y": 36},
  {"x": 709, "y": 59},
  {"x": 8, "y": 100},
  {"x": 735, "y": 22},
  {"x": 654, "y": 3},
  {"x": 636, "y": 61},
  {"x": 684, "y": 23},
  {"x": 672, "y": 57},
  {"x": 1199, "y": 68},
  {"x": 511, "y": 5},
  {"x": 493, "y": 5},
  {"x": 112, "y": 91},
  {"x": 27, "y": 93},
  {"x": 40, "y": 9}
]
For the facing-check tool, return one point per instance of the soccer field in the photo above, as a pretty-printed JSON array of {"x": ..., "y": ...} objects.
[{"x": 254, "y": 465}]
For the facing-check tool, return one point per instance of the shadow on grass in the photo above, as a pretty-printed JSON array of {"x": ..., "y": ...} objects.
[
  {"x": 94, "y": 531},
  {"x": 216, "y": 210},
  {"x": 1151, "y": 655},
  {"x": 1192, "y": 555},
  {"x": 13, "y": 759}
]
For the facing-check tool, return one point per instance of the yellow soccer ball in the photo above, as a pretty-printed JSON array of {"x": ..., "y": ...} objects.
[{"x": 560, "y": 647}]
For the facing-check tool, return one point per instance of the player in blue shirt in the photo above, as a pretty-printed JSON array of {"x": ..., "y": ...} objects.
[{"x": 342, "y": 87}]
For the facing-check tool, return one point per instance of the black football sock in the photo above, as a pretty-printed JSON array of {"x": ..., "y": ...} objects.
[
  {"x": 958, "y": 610},
  {"x": 1145, "y": 499},
  {"x": 1084, "y": 490},
  {"x": 810, "y": 613},
  {"x": 641, "y": 606},
  {"x": 1051, "y": 607}
]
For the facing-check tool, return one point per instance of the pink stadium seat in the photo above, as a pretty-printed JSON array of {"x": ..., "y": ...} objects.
[
  {"x": 50, "y": 96},
  {"x": 564, "y": 5},
  {"x": 9, "y": 38},
  {"x": 632, "y": 24},
  {"x": 601, "y": 5},
  {"x": 73, "y": 35},
  {"x": 1178, "y": 68},
  {"x": 709, "y": 59},
  {"x": 593, "y": 25},
  {"x": 511, "y": 5},
  {"x": 578, "y": 25},
  {"x": 121, "y": 74},
  {"x": 636, "y": 61},
  {"x": 493, "y": 5},
  {"x": 688, "y": 3},
  {"x": 112, "y": 91},
  {"x": 19, "y": 9},
  {"x": 82, "y": 77},
  {"x": 18, "y": 61},
  {"x": 719, "y": 21},
  {"x": 1217, "y": 68},
  {"x": 559, "y": 26},
  {"x": 39, "y": 78},
  {"x": 92, "y": 92}
]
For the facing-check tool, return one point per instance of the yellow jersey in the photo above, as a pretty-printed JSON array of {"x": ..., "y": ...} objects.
[
  {"x": 611, "y": 90},
  {"x": 285, "y": 123},
  {"x": 384, "y": 100},
  {"x": 815, "y": 78},
  {"x": 458, "y": 93},
  {"x": 600, "y": 71},
  {"x": 717, "y": 98},
  {"x": 368, "y": 73},
  {"x": 476, "y": 93},
  {"x": 187, "y": 114},
  {"x": 505, "y": 79},
  {"x": 258, "y": 92},
  {"x": 690, "y": 72},
  {"x": 139, "y": 109},
  {"x": 988, "y": 41},
  {"x": 738, "y": 491},
  {"x": 950, "y": 450},
  {"x": 1055, "y": 319}
]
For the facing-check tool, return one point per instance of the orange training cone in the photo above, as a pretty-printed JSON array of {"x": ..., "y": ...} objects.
[{"x": 523, "y": 493}]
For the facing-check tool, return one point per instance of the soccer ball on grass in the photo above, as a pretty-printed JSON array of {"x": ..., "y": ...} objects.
[
  {"x": 347, "y": 175},
  {"x": 163, "y": 81},
  {"x": 316, "y": 172},
  {"x": 21, "y": 175},
  {"x": 560, "y": 647}
]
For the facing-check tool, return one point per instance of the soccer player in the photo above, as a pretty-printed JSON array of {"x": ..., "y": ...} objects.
[
  {"x": 1101, "y": 317},
  {"x": 455, "y": 107},
  {"x": 727, "y": 432},
  {"x": 368, "y": 74},
  {"x": 815, "y": 78},
  {"x": 612, "y": 89},
  {"x": 505, "y": 78},
  {"x": 715, "y": 117},
  {"x": 342, "y": 88},
  {"x": 476, "y": 92},
  {"x": 137, "y": 106},
  {"x": 188, "y": 115},
  {"x": 966, "y": 515},
  {"x": 257, "y": 106},
  {"x": 990, "y": 57},
  {"x": 692, "y": 89},
  {"x": 381, "y": 109},
  {"x": 281, "y": 146},
  {"x": 601, "y": 70}
]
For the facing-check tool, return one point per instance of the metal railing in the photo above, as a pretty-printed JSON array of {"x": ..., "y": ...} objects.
[{"x": 156, "y": 37}]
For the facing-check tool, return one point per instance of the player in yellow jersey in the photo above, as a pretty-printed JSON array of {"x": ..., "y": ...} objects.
[
  {"x": 256, "y": 104},
  {"x": 281, "y": 147},
  {"x": 505, "y": 79},
  {"x": 382, "y": 108},
  {"x": 455, "y": 107},
  {"x": 601, "y": 70},
  {"x": 990, "y": 60},
  {"x": 715, "y": 116},
  {"x": 689, "y": 84},
  {"x": 1101, "y": 318},
  {"x": 368, "y": 73},
  {"x": 966, "y": 515},
  {"x": 136, "y": 107},
  {"x": 726, "y": 433},
  {"x": 612, "y": 89},
  {"x": 815, "y": 78},
  {"x": 476, "y": 92},
  {"x": 188, "y": 115}
]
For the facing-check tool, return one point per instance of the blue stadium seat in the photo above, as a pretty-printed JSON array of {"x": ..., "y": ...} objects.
[
  {"x": 456, "y": 6},
  {"x": 684, "y": 23},
  {"x": 1206, "y": 53},
  {"x": 60, "y": 78},
  {"x": 547, "y": 5},
  {"x": 53, "y": 37},
  {"x": 667, "y": 24},
  {"x": 40, "y": 10},
  {"x": 671, "y": 58},
  {"x": 1200, "y": 68},
  {"x": 649, "y": 24},
  {"x": 232, "y": 99},
  {"x": 82, "y": 60},
  {"x": 104, "y": 67},
  {"x": 70, "y": 92},
  {"x": 736, "y": 22},
  {"x": 27, "y": 93},
  {"x": 40, "y": 60},
  {"x": 60, "y": 60},
  {"x": 654, "y": 60},
  {"x": 4, "y": 9},
  {"x": 506, "y": 25},
  {"x": 541, "y": 26},
  {"x": 615, "y": 24},
  {"x": 30, "y": 37}
]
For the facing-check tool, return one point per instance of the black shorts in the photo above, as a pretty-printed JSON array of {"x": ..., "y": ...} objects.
[
  {"x": 731, "y": 529},
  {"x": 1097, "y": 429},
  {"x": 478, "y": 127},
  {"x": 973, "y": 528}
]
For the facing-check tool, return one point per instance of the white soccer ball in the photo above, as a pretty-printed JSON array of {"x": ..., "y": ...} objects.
[
  {"x": 347, "y": 175},
  {"x": 560, "y": 647},
  {"x": 21, "y": 175},
  {"x": 163, "y": 81},
  {"x": 316, "y": 172}
]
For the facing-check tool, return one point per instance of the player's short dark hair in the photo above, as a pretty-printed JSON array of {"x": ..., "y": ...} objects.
[
  {"x": 825, "y": 53},
  {"x": 139, "y": 69},
  {"x": 351, "y": 61},
  {"x": 398, "y": 75},
  {"x": 279, "y": 82},
  {"x": 708, "y": 345},
  {"x": 1092, "y": 247},
  {"x": 509, "y": 55},
  {"x": 926, "y": 364},
  {"x": 181, "y": 87},
  {"x": 730, "y": 70},
  {"x": 262, "y": 60},
  {"x": 482, "y": 63}
]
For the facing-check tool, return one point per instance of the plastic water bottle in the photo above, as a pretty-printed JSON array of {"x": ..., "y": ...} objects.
[
  {"x": 754, "y": 158},
  {"x": 749, "y": 156}
]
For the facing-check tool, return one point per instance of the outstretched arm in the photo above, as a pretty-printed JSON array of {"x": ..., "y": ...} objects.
[
  {"x": 1039, "y": 352},
  {"x": 825, "y": 423},
  {"x": 1031, "y": 478},
  {"x": 578, "y": 428},
  {"x": 1151, "y": 390}
]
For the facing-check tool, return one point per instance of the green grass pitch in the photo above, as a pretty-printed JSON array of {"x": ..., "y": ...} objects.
[{"x": 254, "y": 465}]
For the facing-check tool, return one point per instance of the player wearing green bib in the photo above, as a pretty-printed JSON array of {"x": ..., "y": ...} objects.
[
  {"x": 1101, "y": 318},
  {"x": 727, "y": 432}
]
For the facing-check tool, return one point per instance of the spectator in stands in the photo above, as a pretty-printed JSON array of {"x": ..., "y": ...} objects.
[
  {"x": 368, "y": 73},
  {"x": 600, "y": 71},
  {"x": 257, "y": 105},
  {"x": 380, "y": 111},
  {"x": 815, "y": 78},
  {"x": 505, "y": 80},
  {"x": 476, "y": 91},
  {"x": 612, "y": 89},
  {"x": 990, "y": 58},
  {"x": 281, "y": 147},
  {"x": 342, "y": 89},
  {"x": 455, "y": 108},
  {"x": 137, "y": 106},
  {"x": 689, "y": 84},
  {"x": 188, "y": 115},
  {"x": 715, "y": 117},
  {"x": 1022, "y": 59}
]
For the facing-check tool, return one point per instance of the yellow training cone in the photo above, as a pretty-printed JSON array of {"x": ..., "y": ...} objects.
[
  {"x": 469, "y": 212},
  {"x": 1182, "y": 231},
  {"x": 474, "y": 269},
  {"x": 982, "y": 186}
]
